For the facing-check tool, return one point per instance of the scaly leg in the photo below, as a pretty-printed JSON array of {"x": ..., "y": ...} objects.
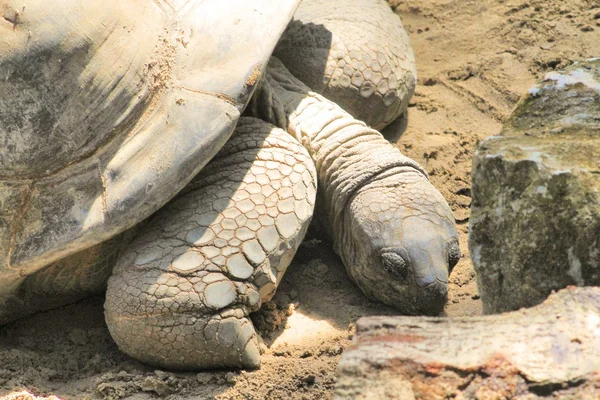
[
  {"x": 180, "y": 295},
  {"x": 355, "y": 53}
]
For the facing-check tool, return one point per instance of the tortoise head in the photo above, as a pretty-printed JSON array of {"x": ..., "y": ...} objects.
[{"x": 403, "y": 243}]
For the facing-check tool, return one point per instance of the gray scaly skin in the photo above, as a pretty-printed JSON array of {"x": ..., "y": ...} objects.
[{"x": 181, "y": 295}]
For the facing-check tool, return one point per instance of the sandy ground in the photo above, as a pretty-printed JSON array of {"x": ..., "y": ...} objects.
[{"x": 476, "y": 58}]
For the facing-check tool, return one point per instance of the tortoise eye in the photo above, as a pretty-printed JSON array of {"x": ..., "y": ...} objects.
[
  {"x": 395, "y": 263},
  {"x": 453, "y": 253}
]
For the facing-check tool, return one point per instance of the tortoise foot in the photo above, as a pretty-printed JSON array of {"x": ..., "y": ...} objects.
[{"x": 183, "y": 322}]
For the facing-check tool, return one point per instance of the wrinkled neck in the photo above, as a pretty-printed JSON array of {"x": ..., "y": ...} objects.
[{"x": 348, "y": 154}]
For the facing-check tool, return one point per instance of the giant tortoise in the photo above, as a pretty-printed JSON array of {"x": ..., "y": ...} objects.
[{"x": 121, "y": 170}]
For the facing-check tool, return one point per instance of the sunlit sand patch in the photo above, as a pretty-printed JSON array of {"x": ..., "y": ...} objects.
[{"x": 301, "y": 328}]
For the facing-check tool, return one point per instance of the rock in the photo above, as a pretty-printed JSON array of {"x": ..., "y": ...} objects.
[
  {"x": 545, "y": 352},
  {"x": 535, "y": 215}
]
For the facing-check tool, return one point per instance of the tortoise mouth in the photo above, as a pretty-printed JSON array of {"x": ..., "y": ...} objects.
[{"x": 421, "y": 300}]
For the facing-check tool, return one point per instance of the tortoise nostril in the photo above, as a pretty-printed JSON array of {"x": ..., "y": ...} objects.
[{"x": 425, "y": 281}]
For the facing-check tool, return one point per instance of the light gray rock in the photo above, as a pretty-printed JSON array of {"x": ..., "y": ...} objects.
[{"x": 535, "y": 221}]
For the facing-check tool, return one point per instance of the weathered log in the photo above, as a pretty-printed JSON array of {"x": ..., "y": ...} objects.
[{"x": 549, "y": 351}]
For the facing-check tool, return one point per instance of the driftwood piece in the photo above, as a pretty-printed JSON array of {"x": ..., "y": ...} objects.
[{"x": 551, "y": 351}]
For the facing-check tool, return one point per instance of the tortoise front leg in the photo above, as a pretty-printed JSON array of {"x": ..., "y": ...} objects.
[{"x": 180, "y": 296}]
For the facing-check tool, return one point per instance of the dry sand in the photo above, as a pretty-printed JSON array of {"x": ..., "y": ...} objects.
[{"x": 476, "y": 58}]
